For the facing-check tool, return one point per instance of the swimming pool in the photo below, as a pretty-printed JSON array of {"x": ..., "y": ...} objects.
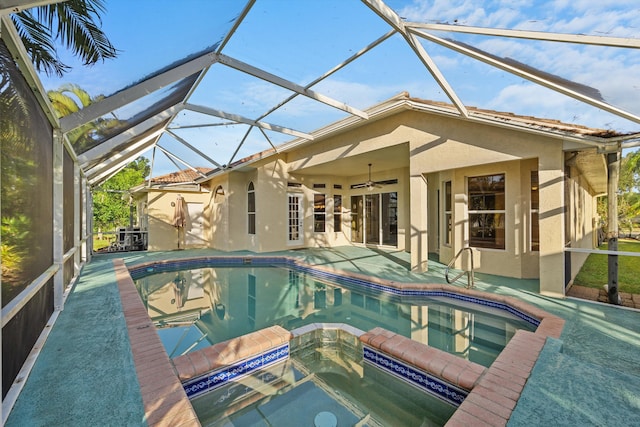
[
  {"x": 510, "y": 369},
  {"x": 200, "y": 306}
]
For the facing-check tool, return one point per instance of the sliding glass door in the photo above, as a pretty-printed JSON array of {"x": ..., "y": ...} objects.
[
  {"x": 389, "y": 214},
  {"x": 374, "y": 219}
]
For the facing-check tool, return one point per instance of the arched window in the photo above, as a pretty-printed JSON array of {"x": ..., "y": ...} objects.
[{"x": 251, "y": 209}]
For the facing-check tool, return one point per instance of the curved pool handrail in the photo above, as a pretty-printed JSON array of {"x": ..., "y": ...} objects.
[{"x": 469, "y": 273}]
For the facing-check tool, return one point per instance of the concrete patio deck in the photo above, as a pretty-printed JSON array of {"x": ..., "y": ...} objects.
[{"x": 85, "y": 374}]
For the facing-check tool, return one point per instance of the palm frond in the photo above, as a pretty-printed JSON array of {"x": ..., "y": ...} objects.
[
  {"x": 62, "y": 104},
  {"x": 77, "y": 23},
  {"x": 65, "y": 99},
  {"x": 39, "y": 43}
]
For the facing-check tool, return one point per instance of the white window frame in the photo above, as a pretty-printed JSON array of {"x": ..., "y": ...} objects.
[
  {"x": 502, "y": 212},
  {"x": 295, "y": 237},
  {"x": 337, "y": 213},
  {"x": 533, "y": 211},
  {"x": 320, "y": 215},
  {"x": 447, "y": 235},
  {"x": 251, "y": 215}
]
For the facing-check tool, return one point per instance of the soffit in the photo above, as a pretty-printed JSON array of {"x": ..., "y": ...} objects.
[{"x": 593, "y": 167}]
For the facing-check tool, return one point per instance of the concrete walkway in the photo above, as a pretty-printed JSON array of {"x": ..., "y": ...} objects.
[{"x": 85, "y": 373}]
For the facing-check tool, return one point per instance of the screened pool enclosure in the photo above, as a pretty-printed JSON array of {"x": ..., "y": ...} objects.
[{"x": 212, "y": 84}]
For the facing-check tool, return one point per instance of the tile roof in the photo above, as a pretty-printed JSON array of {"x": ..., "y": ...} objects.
[
  {"x": 182, "y": 176},
  {"x": 530, "y": 121}
]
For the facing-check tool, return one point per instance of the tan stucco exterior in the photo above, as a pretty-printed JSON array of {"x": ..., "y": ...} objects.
[
  {"x": 162, "y": 235},
  {"x": 420, "y": 151}
]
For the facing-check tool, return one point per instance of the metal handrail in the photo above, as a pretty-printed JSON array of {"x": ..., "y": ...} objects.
[{"x": 470, "y": 278}]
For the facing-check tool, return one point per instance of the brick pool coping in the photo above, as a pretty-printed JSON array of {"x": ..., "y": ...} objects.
[
  {"x": 164, "y": 400},
  {"x": 494, "y": 391}
]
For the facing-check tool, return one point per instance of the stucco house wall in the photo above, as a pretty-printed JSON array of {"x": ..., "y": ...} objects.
[
  {"x": 421, "y": 150},
  {"x": 162, "y": 235},
  {"x": 581, "y": 218},
  {"x": 217, "y": 212}
]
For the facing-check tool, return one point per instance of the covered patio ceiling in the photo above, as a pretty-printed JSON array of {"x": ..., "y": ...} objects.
[{"x": 206, "y": 84}]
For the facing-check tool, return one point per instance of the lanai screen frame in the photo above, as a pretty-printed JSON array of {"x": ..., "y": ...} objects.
[{"x": 94, "y": 166}]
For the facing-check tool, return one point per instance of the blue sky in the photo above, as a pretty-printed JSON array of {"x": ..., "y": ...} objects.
[{"x": 301, "y": 40}]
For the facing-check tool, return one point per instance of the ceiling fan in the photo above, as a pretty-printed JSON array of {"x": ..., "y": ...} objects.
[{"x": 370, "y": 184}]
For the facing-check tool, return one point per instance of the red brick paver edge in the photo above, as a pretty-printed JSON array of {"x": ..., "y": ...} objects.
[
  {"x": 495, "y": 395},
  {"x": 225, "y": 353},
  {"x": 446, "y": 366},
  {"x": 164, "y": 399}
]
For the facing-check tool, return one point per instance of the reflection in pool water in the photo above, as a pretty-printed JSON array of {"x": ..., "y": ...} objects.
[
  {"x": 199, "y": 307},
  {"x": 325, "y": 379}
]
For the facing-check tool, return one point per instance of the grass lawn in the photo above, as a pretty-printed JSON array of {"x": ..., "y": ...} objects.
[
  {"x": 100, "y": 243},
  {"x": 593, "y": 273}
]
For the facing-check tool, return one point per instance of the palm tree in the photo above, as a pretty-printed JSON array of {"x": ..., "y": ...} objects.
[
  {"x": 65, "y": 99},
  {"x": 75, "y": 23},
  {"x": 70, "y": 98}
]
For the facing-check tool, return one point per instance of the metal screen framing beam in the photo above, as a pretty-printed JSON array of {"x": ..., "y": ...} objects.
[
  {"x": 184, "y": 162},
  {"x": 531, "y": 35},
  {"x": 133, "y": 93},
  {"x": 123, "y": 138},
  {"x": 332, "y": 71},
  {"x": 192, "y": 148},
  {"x": 392, "y": 18},
  {"x": 520, "y": 72},
  {"x": 21, "y": 57},
  {"x": 236, "y": 24},
  {"x": 240, "y": 119},
  {"x": 279, "y": 81},
  {"x": 123, "y": 157},
  {"x": 14, "y": 6}
]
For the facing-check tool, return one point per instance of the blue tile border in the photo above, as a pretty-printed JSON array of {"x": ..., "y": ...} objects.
[
  {"x": 223, "y": 261},
  {"x": 154, "y": 267},
  {"x": 417, "y": 378},
  {"x": 419, "y": 293},
  {"x": 215, "y": 379}
]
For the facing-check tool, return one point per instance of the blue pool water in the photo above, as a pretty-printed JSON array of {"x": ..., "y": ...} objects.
[
  {"x": 324, "y": 378},
  {"x": 202, "y": 306}
]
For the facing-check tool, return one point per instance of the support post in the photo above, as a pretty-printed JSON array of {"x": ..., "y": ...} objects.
[
  {"x": 58, "y": 219},
  {"x": 613, "y": 166},
  {"x": 418, "y": 223},
  {"x": 551, "y": 190},
  {"x": 77, "y": 216}
]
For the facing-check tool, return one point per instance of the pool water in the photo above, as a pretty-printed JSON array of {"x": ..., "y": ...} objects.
[
  {"x": 196, "y": 308},
  {"x": 324, "y": 379}
]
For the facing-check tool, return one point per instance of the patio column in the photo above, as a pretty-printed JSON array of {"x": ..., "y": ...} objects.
[
  {"x": 551, "y": 222},
  {"x": 418, "y": 223}
]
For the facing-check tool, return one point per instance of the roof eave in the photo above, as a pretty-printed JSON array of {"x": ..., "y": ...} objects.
[{"x": 571, "y": 139}]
